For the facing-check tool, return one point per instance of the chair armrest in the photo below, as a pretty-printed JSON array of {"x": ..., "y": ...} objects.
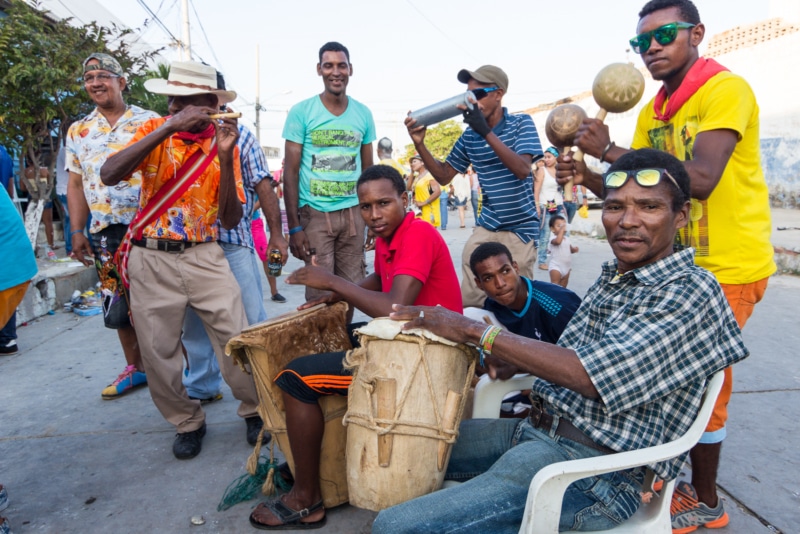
[{"x": 489, "y": 394}]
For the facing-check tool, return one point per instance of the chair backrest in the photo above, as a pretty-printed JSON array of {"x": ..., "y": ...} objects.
[{"x": 546, "y": 492}]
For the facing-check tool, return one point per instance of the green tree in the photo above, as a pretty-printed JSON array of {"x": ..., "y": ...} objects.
[
  {"x": 439, "y": 139},
  {"x": 41, "y": 84},
  {"x": 143, "y": 98}
]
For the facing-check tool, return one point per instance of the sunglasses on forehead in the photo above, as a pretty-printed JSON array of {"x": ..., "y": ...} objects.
[
  {"x": 663, "y": 35},
  {"x": 643, "y": 177}
]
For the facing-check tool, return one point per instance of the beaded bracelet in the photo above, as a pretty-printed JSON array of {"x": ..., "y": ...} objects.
[
  {"x": 486, "y": 342},
  {"x": 296, "y": 229}
]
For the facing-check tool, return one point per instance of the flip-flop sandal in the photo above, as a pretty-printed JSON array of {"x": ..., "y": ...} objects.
[{"x": 290, "y": 518}]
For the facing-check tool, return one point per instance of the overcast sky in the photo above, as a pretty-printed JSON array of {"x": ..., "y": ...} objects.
[{"x": 406, "y": 54}]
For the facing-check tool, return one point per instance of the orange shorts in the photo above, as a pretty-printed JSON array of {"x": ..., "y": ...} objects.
[
  {"x": 9, "y": 300},
  {"x": 742, "y": 299}
]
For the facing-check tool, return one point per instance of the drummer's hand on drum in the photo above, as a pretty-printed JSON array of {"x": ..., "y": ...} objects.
[
  {"x": 327, "y": 298},
  {"x": 436, "y": 319},
  {"x": 312, "y": 276},
  {"x": 567, "y": 168},
  {"x": 592, "y": 137}
]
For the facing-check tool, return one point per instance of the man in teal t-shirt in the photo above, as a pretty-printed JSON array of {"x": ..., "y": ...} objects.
[{"x": 328, "y": 143}]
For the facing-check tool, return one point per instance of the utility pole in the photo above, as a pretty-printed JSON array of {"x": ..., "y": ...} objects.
[
  {"x": 258, "y": 98},
  {"x": 186, "y": 42}
]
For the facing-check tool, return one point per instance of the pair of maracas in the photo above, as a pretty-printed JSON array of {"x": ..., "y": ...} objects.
[{"x": 617, "y": 88}]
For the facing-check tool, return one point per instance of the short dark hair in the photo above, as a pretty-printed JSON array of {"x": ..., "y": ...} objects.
[
  {"x": 686, "y": 7},
  {"x": 486, "y": 251},
  {"x": 647, "y": 158},
  {"x": 554, "y": 218},
  {"x": 383, "y": 172},
  {"x": 334, "y": 46}
]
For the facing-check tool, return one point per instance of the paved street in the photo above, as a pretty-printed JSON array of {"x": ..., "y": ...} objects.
[{"x": 74, "y": 463}]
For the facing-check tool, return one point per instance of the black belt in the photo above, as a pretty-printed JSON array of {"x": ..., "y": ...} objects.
[
  {"x": 543, "y": 420},
  {"x": 164, "y": 245}
]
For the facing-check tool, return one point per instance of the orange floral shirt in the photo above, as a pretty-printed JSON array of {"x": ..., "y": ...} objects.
[{"x": 193, "y": 217}]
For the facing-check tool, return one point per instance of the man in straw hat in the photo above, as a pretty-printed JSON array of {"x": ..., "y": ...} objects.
[
  {"x": 500, "y": 147},
  {"x": 190, "y": 179},
  {"x": 89, "y": 142}
]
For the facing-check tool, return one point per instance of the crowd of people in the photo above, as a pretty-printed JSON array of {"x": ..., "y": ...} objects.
[{"x": 173, "y": 204}]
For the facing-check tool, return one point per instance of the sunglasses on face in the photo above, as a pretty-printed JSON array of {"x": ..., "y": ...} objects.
[
  {"x": 483, "y": 91},
  {"x": 102, "y": 78},
  {"x": 663, "y": 35},
  {"x": 643, "y": 177}
]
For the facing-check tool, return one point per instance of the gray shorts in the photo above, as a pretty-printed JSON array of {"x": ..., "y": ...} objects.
[{"x": 338, "y": 237}]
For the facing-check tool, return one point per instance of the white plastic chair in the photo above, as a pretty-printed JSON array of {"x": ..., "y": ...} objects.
[{"x": 546, "y": 492}]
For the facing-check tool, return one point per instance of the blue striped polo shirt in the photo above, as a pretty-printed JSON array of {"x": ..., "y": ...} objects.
[{"x": 507, "y": 201}]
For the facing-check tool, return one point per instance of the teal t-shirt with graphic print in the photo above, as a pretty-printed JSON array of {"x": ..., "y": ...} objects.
[{"x": 331, "y": 160}]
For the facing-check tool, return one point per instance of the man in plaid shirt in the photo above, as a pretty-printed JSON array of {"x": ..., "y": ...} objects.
[{"x": 628, "y": 372}]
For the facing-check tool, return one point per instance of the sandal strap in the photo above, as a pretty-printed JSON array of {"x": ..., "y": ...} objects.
[{"x": 287, "y": 515}]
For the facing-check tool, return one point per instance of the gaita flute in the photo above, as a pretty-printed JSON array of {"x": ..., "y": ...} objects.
[{"x": 236, "y": 115}]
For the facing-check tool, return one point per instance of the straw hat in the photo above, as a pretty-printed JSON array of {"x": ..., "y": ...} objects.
[{"x": 188, "y": 78}]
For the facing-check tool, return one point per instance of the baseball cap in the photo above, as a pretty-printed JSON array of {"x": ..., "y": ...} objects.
[
  {"x": 485, "y": 74},
  {"x": 415, "y": 156},
  {"x": 385, "y": 144},
  {"x": 105, "y": 62}
]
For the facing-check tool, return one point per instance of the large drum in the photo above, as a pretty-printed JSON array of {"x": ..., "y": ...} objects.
[
  {"x": 404, "y": 407},
  {"x": 268, "y": 347}
]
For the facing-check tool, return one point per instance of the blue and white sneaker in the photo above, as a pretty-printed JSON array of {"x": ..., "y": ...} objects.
[{"x": 127, "y": 381}]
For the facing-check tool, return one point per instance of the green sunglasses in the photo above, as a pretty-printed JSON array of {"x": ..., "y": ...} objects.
[
  {"x": 664, "y": 36},
  {"x": 643, "y": 177}
]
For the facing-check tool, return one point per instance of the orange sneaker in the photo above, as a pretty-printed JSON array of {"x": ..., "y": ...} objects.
[{"x": 688, "y": 513}]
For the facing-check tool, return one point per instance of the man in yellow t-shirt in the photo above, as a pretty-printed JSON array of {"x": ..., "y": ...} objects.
[
  {"x": 708, "y": 118},
  {"x": 385, "y": 156}
]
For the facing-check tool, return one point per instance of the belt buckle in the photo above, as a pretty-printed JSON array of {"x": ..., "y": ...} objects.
[{"x": 152, "y": 244}]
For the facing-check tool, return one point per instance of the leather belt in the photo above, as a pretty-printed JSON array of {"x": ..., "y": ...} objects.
[
  {"x": 164, "y": 245},
  {"x": 539, "y": 418}
]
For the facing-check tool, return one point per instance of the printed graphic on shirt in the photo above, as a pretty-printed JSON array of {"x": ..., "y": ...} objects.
[
  {"x": 696, "y": 233},
  {"x": 327, "y": 163}
]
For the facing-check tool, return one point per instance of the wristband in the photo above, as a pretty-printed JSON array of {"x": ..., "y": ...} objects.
[
  {"x": 608, "y": 147},
  {"x": 296, "y": 229},
  {"x": 487, "y": 341},
  {"x": 72, "y": 233}
]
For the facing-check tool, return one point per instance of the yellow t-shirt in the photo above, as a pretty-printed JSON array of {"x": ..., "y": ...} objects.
[
  {"x": 731, "y": 229},
  {"x": 392, "y": 163},
  {"x": 422, "y": 192}
]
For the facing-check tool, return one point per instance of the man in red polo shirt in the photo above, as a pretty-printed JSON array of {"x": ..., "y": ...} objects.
[{"x": 412, "y": 265}]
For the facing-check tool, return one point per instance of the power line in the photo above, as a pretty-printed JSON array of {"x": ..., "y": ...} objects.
[
  {"x": 438, "y": 29},
  {"x": 205, "y": 36},
  {"x": 158, "y": 21}
]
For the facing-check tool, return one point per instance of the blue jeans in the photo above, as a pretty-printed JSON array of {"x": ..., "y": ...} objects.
[
  {"x": 571, "y": 208},
  {"x": 544, "y": 232},
  {"x": 65, "y": 223},
  {"x": 9, "y": 331},
  {"x": 474, "y": 201},
  {"x": 203, "y": 378},
  {"x": 497, "y": 459},
  {"x": 443, "y": 199}
]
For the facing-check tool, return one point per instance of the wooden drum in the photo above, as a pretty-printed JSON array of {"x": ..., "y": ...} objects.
[
  {"x": 268, "y": 347},
  {"x": 404, "y": 406}
]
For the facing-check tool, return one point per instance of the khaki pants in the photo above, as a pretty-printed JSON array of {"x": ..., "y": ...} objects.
[
  {"x": 163, "y": 284},
  {"x": 523, "y": 253}
]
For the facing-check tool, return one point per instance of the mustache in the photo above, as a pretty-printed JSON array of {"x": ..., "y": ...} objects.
[{"x": 629, "y": 235}]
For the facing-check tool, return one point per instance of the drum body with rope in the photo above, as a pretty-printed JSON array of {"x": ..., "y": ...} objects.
[
  {"x": 404, "y": 406},
  {"x": 268, "y": 347}
]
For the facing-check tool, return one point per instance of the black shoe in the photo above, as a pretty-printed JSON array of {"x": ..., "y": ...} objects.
[
  {"x": 188, "y": 444},
  {"x": 11, "y": 346},
  {"x": 254, "y": 426},
  {"x": 277, "y": 297}
]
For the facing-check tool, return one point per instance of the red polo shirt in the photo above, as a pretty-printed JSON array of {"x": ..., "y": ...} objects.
[{"x": 417, "y": 249}]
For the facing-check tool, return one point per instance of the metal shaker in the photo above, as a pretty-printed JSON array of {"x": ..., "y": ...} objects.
[{"x": 446, "y": 109}]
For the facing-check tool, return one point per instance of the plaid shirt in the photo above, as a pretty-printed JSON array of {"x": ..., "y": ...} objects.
[
  {"x": 648, "y": 340},
  {"x": 254, "y": 170}
]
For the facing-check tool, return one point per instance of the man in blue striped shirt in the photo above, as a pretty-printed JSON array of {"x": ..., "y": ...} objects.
[
  {"x": 501, "y": 148},
  {"x": 202, "y": 378}
]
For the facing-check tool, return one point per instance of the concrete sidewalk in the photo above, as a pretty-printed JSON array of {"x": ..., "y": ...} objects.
[{"x": 73, "y": 463}]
